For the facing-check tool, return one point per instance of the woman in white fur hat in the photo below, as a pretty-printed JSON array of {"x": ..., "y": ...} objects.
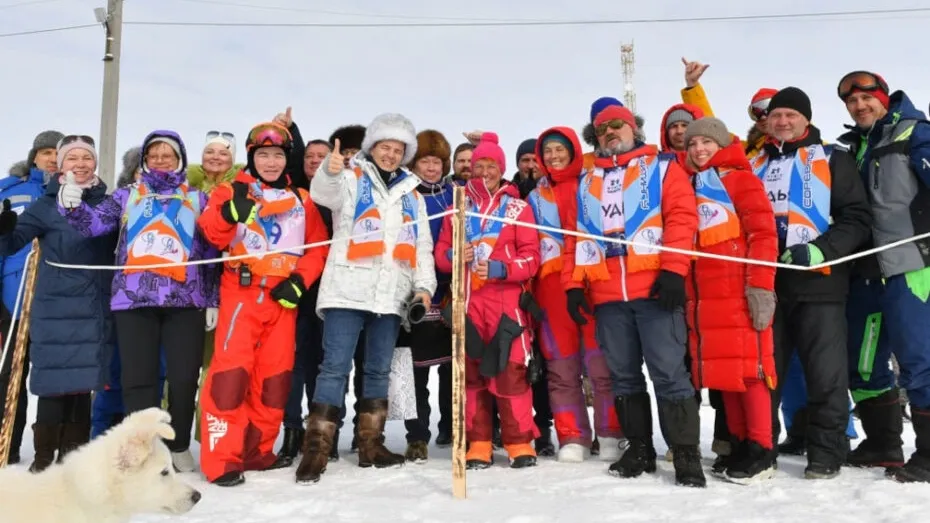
[{"x": 367, "y": 282}]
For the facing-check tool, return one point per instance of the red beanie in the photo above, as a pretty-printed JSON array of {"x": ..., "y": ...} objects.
[
  {"x": 615, "y": 112},
  {"x": 762, "y": 94},
  {"x": 488, "y": 149}
]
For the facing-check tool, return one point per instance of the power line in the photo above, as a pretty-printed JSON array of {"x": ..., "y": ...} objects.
[
  {"x": 917, "y": 10},
  {"x": 50, "y": 30},
  {"x": 30, "y": 2},
  {"x": 336, "y": 25},
  {"x": 345, "y": 13}
]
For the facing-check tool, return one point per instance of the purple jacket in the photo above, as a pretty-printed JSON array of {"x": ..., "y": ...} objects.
[{"x": 147, "y": 289}]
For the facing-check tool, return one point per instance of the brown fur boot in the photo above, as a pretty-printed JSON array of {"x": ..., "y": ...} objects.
[
  {"x": 372, "y": 414},
  {"x": 318, "y": 440}
]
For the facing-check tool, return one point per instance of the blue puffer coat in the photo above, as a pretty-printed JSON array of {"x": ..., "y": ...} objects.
[
  {"x": 22, "y": 187},
  {"x": 71, "y": 328}
]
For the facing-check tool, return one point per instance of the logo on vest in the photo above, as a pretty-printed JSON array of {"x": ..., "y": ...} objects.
[
  {"x": 647, "y": 236},
  {"x": 549, "y": 249},
  {"x": 711, "y": 214},
  {"x": 153, "y": 243}
]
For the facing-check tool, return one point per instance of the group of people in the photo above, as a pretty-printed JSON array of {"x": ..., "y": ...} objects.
[{"x": 241, "y": 289}]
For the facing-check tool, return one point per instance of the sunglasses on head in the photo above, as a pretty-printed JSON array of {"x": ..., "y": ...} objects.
[
  {"x": 862, "y": 80},
  {"x": 760, "y": 109},
  {"x": 229, "y": 137},
  {"x": 72, "y": 138},
  {"x": 601, "y": 129}
]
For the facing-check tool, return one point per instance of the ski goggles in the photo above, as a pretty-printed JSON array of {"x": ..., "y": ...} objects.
[
  {"x": 76, "y": 138},
  {"x": 269, "y": 135},
  {"x": 861, "y": 80},
  {"x": 616, "y": 123},
  {"x": 229, "y": 137},
  {"x": 760, "y": 109}
]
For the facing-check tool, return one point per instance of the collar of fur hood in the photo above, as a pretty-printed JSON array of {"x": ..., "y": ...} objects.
[{"x": 19, "y": 169}]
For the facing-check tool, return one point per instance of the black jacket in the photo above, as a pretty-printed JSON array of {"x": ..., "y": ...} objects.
[{"x": 850, "y": 230}]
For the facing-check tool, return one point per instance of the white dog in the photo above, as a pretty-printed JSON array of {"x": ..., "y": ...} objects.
[{"x": 124, "y": 472}]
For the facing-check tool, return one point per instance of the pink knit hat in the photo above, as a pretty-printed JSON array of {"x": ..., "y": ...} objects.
[{"x": 488, "y": 149}]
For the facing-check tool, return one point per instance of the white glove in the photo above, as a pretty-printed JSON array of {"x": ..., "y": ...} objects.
[
  {"x": 69, "y": 194},
  {"x": 213, "y": 315}
]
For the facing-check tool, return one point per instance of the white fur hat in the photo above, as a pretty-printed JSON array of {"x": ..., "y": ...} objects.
[{"x": 392, "y": 126}]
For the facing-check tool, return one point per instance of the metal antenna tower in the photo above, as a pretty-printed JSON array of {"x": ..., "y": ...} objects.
[{"x": 627, "y": 59}]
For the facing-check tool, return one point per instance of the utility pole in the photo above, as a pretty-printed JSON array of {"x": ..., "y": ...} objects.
[
  {"x": 112, "y": 21},
  {"x": 627, "y": 60}
]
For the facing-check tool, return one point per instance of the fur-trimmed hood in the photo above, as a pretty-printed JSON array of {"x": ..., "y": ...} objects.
[
  {"x": 19, "y": 169},
  {"x": 587, "y": 132},
  {"x": 132, "y": 162}
]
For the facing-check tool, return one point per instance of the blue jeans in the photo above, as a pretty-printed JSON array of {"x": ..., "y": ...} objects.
[
  {"x": 906, "y": 319},
  {"x": 341, "y": 332},
  {"x": 633, "y": 331}
]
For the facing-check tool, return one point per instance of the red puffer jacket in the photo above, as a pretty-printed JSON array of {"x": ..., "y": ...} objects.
[{"x": 724, "y": 346}]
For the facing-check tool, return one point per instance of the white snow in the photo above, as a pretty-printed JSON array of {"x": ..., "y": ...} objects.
[{"x": 551, "y": 492}]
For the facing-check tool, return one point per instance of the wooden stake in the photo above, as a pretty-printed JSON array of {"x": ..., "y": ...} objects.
[
  {"x": 458, "y": 344},
  {"x": 19, "y": 356}
]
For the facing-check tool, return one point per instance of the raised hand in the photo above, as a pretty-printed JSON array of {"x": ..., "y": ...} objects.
[
  {"x": 693, "y": 71},
  {"x": 284, "y": 119},
  {"x": 70, "y": 193},
  {"x": 336, "y": 160}
]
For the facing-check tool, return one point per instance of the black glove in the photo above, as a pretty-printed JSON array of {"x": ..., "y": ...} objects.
[
  {"x": 240, "y": 208},
  {"x": 7, "y": 218},
  {"x": 669, "y": 290},
  {"x": 576, "y": 300},
  {"x": 288, "y": 292}
]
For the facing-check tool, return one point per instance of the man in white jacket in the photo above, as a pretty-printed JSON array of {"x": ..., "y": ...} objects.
[{"x": 380, "y": 261}]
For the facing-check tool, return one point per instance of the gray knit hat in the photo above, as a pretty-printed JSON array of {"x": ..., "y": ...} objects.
[
  {"x": 44, "y": 140},
  {"x": 132, "y": 162},
  {"x": 678, "y": 115},
  {"x": 710, "y": 127}
]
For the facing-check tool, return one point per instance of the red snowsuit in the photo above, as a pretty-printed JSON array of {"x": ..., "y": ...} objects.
[
  {"x": 517, "y": 248},
  {"x": 727, "y": 353},
  {"x": 561, "y": 339},
  {"x": 249, "y": 380}
]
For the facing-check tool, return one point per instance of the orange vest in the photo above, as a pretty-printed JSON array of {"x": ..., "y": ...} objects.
[{"x": 280, "y": 224}]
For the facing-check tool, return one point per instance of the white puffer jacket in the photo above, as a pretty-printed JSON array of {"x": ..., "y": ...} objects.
[{"x": 378, "y": 284}]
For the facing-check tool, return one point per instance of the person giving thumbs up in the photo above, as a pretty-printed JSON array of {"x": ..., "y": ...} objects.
[
  {"x": 336, "y": 160},
  {"x": 70, "y": 193}
]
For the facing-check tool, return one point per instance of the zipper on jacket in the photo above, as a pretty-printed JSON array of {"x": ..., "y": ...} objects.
[
  {"x": 697, "y": 331},
  {"x": 759, "y": 355},
  {"x": 623, "y": 289}
]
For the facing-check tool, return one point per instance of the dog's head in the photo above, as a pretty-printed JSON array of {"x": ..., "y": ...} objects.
[{"x": 129, "y": 468}]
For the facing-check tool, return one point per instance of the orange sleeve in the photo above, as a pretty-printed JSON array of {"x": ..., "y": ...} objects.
[
  {"x": 679, "y": 219},
  {"x": 311, "y": 263},
  {"x": 215, "y": 229},
  {"x": 757, "y": 220},
  {"x": 443, "y": 246}
]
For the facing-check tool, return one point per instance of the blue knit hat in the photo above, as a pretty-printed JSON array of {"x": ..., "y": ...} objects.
[{"x": 602, "y": 103}]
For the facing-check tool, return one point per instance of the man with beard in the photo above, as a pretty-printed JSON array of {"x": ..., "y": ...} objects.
[
  {"x": 628, "y": 192},
  {"x": 461, "y": 163},
  {"x": 821, "y": 214}
]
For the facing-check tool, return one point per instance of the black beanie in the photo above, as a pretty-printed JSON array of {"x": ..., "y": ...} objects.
[
  {"x": 791, "y": 98},
  {"x": 527, "y": 146}
]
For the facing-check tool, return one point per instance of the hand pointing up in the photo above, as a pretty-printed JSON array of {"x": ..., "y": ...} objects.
[{"x": 336, "y": 160}]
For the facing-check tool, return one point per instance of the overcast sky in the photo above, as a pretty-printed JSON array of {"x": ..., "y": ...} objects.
[{"x": 514, "y": 80}]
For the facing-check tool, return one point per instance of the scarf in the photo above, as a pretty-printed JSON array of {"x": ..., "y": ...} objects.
[
  {"x": 160, "y": 233},
  {"x": 637, "y": 199},
  {"x": 545, "y": 209},
  {"x": 367, "y": 221},
  {"x": 483, "y": 236},
  {"x": 717, "y": 220}
]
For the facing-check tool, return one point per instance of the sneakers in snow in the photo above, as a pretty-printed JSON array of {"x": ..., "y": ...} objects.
[
  {"x": 183, "y": 461},
  {"x": 612, "y": 448},
  {"x": 752, "y": 463},
  {"x": 573, "y": 453}
]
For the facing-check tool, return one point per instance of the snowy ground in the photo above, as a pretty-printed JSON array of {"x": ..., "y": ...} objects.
[{"x": 552, "y": 492}]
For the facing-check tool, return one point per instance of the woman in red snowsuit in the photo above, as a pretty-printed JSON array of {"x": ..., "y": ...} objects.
[
  {"x": 503, "y": 258},
  {"x": 249, "y": 379},
  {"x": 731, "y": 304},
  {"x": 568, "y": 343}
]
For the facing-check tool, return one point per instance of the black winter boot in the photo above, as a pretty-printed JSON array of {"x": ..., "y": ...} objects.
[
  {"x": 883, "y": 424},
  {"x": 73, "y": 436},
  {"x": 751, "y": 463},
  {"x": 543, "y": 444},
  {"x": 917, "y": 469},
  {"x": 290, "y": 447},
  {"x": 795, "y": 443},
  {"x": 46, "y": 439},
  {"x": 684, "y": 432},
  {"x": 372, "y": 416},
  {"x": 635, "y": 414},
  {"x": 334, "y": 451},
  {"x": 318, "y": 440}
]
